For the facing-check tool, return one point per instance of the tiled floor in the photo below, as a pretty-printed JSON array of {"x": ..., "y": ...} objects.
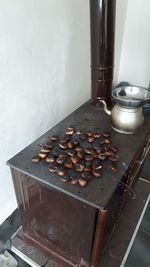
[{"x": 140, "y": 251}]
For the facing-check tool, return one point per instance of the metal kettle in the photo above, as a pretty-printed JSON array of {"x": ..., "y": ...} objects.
[{"x": 127, "y": 114}]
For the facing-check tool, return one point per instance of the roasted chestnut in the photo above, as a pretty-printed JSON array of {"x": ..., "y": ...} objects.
[
  {"x": 49, "y": 145},
  {"x": 90, "y": 133},
  {"x": 91, "y": 139},
  {"x": 61, "y": 171},
  {"x": 109, "y": 153},
  {"x": 50, "y": 159},
  {"x": 43, "y": 155},
  {"x": 63, "y": 144},
  {"x": 97, "y": 173},
  {"x": 96, "y": 165},
  {"x": 65, "y": 179},
  {"x": 86, "y": 175},
  {"x": 79, "y": 167},
  {"x": 71, "y": 153},
  {"x": 97, "y": 135},
  {"x": 78, "y": 148},
  {"x": 89, "y": 158},
  {"x": 68, "y": 163},
  {"x": 71, "y": 145},
  {"x": 52, "y": 168},
  {"x": 35, "y": 159},
  {"x": 75, "y": 159},
  {"x": 80, "y": 154},
  {"x": 73, "y": 180},
  {"x": 44, "y": 149},
  {"x": 83, "y": 182},
  {"x": 113, "y": 169},
  {"x": 102, "y": 156},
  {"x": 114, "y": 158},
  {"x": 54, "y": 138},
  {"x": 107, "y": 141},
  {"x": 106, "y": 134}
]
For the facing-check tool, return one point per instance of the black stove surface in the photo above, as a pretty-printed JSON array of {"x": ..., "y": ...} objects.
[{"x": 85, "y": 118}]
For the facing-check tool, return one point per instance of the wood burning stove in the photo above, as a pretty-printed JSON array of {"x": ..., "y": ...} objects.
[{"x": 70, "y": 224}]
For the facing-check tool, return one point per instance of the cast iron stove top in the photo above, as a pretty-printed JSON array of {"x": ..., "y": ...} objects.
[{"x": 85, "y": 118}]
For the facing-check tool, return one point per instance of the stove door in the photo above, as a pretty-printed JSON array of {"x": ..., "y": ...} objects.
[{"x": 58, "y": 224}]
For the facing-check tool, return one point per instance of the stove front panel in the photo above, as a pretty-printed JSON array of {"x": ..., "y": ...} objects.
[{"x": 62, "y": 226}]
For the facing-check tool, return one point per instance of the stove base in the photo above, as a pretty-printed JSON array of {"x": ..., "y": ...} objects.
[{"x": 117, "y": 247}]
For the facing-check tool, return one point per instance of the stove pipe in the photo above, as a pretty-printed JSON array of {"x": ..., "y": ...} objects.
[{"x": 102, "y": 13}]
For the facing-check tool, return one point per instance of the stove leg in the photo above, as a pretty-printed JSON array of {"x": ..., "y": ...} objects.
[{"x": 98, "y": 237}]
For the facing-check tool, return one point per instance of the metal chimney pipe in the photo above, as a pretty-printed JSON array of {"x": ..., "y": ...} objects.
[{"x": 102, "y": 15}]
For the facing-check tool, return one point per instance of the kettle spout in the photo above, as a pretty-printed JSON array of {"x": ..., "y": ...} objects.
[{"x": 108, "y": 112}]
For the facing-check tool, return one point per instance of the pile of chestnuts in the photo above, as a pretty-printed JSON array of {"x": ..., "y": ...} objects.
[{"x": 78, "y": 157}]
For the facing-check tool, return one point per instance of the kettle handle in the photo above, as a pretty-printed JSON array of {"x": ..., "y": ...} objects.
[{"x": 108, "y": 112}]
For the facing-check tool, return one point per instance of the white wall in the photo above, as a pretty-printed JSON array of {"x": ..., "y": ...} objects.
[
  {"x": 135, "y": 59},
  {"x": 121, "y": 13},
  {"x": 44, "y": 74}
]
